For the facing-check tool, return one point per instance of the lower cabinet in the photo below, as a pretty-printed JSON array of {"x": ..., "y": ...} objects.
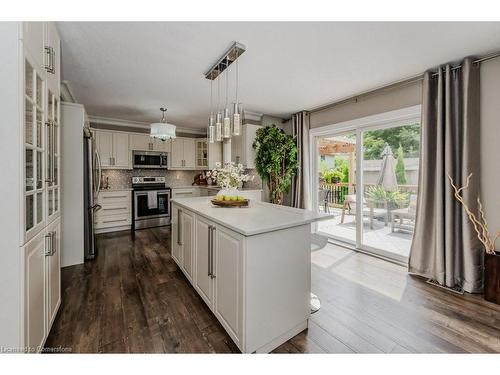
[
  {"x": 42, "y": 285},
  {"x": 116, "y": 211},
  {"x": 216, "y": 258}
]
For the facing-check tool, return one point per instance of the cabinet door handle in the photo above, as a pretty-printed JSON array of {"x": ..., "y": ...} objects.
[
  {"x": 179, "y": 231},
  {"x": 50, "y": 56},
  {"x": 114, "y": 221},
  {"x": 48, "y": 244},
  {"x": 209, "y": 263},
  {"x": 48, "y": 134},
  {"x": 212, "y": 274},
  {"x": 53, "y": 248}
]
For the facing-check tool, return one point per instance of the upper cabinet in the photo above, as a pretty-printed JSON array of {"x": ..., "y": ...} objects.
[
  {"x": 183, "y": 153},
  {"x": 143, "y": 142},
  {"x": 42, "y": 42},
  {"x": 242, "y": 150},
  {"x": 208, "y": 154},
  {"x": 33, "y": 35},
  {"x": 52, "y": 49},
  {"x": 113, "y": 148}
]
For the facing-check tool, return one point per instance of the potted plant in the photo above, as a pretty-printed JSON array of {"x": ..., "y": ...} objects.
[
  {"x": 275, "y": 160},
  {"x": 492, "y": 257}
]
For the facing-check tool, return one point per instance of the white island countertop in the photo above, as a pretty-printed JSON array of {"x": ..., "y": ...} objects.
[{"x": 258, "y": 218}]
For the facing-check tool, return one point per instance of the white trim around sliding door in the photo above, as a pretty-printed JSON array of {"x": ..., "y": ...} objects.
[{"x": 400, "y": 117}]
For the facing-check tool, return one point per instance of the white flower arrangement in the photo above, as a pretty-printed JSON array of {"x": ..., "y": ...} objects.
[{"x": 230, "y": 176}]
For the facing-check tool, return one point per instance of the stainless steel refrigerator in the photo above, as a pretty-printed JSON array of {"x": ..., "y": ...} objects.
[{"x": 92, "y": 175}]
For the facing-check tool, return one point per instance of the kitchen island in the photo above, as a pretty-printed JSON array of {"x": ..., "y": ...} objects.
[{"x": 251, "y": 266}]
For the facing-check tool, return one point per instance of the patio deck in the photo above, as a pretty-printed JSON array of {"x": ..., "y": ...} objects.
[{"x": 379, "y": 237}]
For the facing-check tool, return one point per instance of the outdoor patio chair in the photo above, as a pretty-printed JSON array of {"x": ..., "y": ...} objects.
[
  {"x": 403, "y": 219},
  {"x": 323, "y": 199},
  {"x": 368, "y": 210}
]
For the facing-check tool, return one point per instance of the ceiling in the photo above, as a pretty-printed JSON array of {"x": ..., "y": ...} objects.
[{"x": 127, "y": 70}]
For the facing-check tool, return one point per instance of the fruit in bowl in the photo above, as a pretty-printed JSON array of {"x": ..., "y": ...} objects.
[{"x": 226, "y": 200}]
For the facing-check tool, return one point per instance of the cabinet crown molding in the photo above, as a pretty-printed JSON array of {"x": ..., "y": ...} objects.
[{"x": 138, "y": 124}]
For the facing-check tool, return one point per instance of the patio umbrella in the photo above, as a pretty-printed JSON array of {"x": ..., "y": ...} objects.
[{"x": 387, "y": 178}]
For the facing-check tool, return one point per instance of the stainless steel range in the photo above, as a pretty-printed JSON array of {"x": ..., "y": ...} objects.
[{"x": 151, "y": 202}]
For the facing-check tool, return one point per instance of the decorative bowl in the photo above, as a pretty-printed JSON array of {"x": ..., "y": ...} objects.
[{"x": 221, "y": 203}]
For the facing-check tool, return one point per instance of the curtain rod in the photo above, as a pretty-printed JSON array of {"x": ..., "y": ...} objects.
[{"x": 393, "y": 85}]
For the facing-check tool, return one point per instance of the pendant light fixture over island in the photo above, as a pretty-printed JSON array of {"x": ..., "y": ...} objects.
[{"x": 225, "y": 123}]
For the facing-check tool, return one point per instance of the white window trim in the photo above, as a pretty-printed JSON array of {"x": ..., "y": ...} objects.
[{"x": 399, "y": 117}]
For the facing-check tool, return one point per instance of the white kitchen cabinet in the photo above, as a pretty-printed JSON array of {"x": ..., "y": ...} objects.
[
  {"x": 201, "y": 153},
  {"x": 183, "y": 241},
  {"x": 34, "y": 292},
  {"x": 183, "y": 153},
  {"x": 116, "y": 211},
  {"x": 31, "y": 184},
  {"x": 227, "y": 276},
  {"x": 53, "y": 156},
  {"x": 53, "y": 271},
  {"x": 214, "y": 154},
  {"x": 113, "y": 149},
  {"x": 242, "y": 150},
  {"x": 187, "y": 243},
  {"x": 203, "y": 280},
  {"x": 53, "y": 58},
  {"x": 121, "y": 155},
  {"x": 33, "y": 38},
  {"x": 42, "y": 285},
  {"x": 143, "y": 142},
  {"x": 256, "y": 284},
  {"x": 186, "y": 192}
]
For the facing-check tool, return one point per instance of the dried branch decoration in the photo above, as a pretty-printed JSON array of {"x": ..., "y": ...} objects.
[{"x": 480, "y": 224}]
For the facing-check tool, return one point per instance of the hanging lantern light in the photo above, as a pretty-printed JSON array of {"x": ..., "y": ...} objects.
[
  {"x": 162, "y": 130},
  {"x": 237, "y": 108},
  {"x": 211, "y": 119}
]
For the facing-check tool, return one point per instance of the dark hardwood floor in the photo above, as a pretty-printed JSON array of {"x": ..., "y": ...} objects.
[{"x": 133, "y": 299}]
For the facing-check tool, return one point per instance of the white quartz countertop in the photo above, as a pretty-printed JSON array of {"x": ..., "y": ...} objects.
[{"x": 258, "y": 218}]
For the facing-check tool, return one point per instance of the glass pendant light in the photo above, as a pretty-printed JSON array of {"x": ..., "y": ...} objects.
[
  {"x": 236, "y": 108},
  {"x": 218, "y": 119},
  {"x": 211, "y": 119},
  {"x": 162, "y": 130},
  {"x": 226, "y": 124}
]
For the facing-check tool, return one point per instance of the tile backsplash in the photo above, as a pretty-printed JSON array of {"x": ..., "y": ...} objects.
[{"x": 122, "y": 178}]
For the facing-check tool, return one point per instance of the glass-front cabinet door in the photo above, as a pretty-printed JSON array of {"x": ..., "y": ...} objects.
[
  {"x": 53, "y": 156},
  {"x": 34, "y": 148}
]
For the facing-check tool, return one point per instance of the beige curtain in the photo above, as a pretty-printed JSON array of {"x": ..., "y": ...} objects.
[
  {"x": 300, "y": 192},
  {"x": 445, "y": 247}
]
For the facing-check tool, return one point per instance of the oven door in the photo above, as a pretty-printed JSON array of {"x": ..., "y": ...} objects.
[
  {"x": 143, "y": 211},
  {"x": 143, "y": 159}
]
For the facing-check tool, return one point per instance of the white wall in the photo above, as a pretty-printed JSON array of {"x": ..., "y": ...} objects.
[{"x": 490, "y": 142}]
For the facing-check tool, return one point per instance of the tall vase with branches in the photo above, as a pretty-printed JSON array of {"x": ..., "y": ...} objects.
[
  {"x": 492, "y": 257},
  {"x": 275, "y": 160}
]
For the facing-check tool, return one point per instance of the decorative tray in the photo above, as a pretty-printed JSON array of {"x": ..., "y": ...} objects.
[{"x": 240, "y": 203}]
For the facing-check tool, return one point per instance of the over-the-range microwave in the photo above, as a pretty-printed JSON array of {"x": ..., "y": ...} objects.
[{"x": 149, "y": 159}]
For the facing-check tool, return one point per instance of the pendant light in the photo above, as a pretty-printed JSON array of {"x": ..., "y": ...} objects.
[
  {"x": 162, "y": 130},
  {"x": 211, "y": 119},
  {"x": 226, "y": 122},
  {"x": 237, "y": 107},
  {"x": 218, "y": 119}
]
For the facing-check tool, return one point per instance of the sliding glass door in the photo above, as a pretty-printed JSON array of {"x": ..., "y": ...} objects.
[
  {"x": 367, "y": 179},
  {"x": 336, "y": 160}
]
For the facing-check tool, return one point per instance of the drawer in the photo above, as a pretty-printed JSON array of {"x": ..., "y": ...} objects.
[
  {"x": 110, "y": 221},
  {"x": 185, "y": 193},
  {"x": 114, "y": 197},
  {"x": 114, "y": 209}
]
